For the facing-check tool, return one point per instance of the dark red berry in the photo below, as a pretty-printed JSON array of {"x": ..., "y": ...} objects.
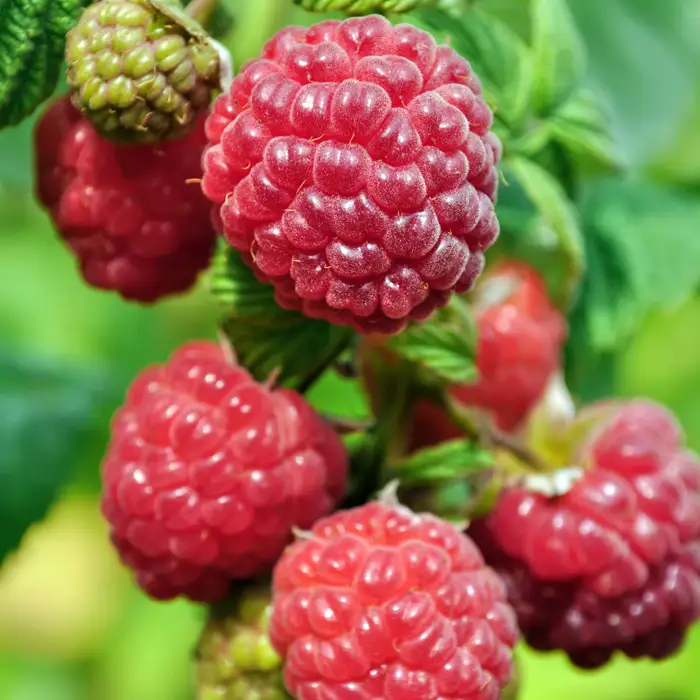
[
  {"x": 133, "y": 215},
  {"x": 614, "y": 564},
  {"x": 379, "y": 602},
  {"x": 353, "y": 166},
  {"x": 207, "y": 472}
]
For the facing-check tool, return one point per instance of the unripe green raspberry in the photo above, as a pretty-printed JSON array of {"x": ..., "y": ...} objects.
[
  {"x": 364, "y": 7},
  {"x": 235, "y": 660},
  {"x": 140, "y": 69}
]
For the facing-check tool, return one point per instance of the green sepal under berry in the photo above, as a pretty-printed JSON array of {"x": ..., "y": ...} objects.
[
  {"x": 141, "y": 70},
  {"x": 266, "y": 337},
  {"x": 31, "y": 52},
  {"x": 234, "y": 657},
  {"x": 442, "y": 349},
  {"x": 364, "y": 7}
]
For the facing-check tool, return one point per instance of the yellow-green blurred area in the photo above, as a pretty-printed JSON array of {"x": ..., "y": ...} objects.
[{"x": 72, "y": 625}]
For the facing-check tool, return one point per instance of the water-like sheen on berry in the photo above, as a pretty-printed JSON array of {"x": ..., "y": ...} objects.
[
  {"x": 367, "y": 150},
  {"x": 207, "y": 472},
  {"x": 130, "y": 214},
  {"x": 379, "y": 602},
  {"x": 614, "y": 564}
]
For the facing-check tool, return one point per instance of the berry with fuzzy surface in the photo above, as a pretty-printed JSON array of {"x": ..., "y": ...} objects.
[
  {"x": 235, "y": 660},
  {"x": 379, "y": 602},
  {"x": 128, "y": 213},
  {"x": 352, "y": 166},
  {"x": 207, "y": 472},
  {"x": 614, "y": 564},
  {"x": 137, "y": 74}
]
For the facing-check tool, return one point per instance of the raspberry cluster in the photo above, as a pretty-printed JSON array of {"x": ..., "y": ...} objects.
[
  {"x": 614, "y": 564},
  {"x": 380, "y": 602},
  {"x": 354, "y": 167},
  {"x": 207, "y": 472},
  {"x": 131, "y": 214}
]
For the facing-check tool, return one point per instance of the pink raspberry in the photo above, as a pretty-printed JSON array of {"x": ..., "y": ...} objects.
[
  {"x": 614, "y": 564},
  {"x": 127, "y": 212},
  {"x": 354, "y": 168},
  {"x": 208, "y": 471},
  {"x": 379, "y": 602}
]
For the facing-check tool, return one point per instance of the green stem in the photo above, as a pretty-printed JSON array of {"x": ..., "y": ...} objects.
[
  {"x": 334, "y": 351},
  {"x": 490, "y": 436},
  {"x": 256, "y": 22},
  {"x": 201, "y": 10}
]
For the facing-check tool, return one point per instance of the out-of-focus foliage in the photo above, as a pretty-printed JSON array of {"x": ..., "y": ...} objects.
[{"x": 620, "y": 215}]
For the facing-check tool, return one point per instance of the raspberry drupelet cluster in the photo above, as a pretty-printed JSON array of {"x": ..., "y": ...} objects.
[
  {"x": 380, "y": 602},
  {"x": 614, "y": 564},
  {"x": 208, "y": 471},
  {"x": 133, "y": 215},
  {"x": 354, "y": 167}
]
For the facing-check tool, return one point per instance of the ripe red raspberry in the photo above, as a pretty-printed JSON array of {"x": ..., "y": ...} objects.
[
  {"x": 127, "y": 212},
  {"x": 379, "y": 602},
  {"x": 521, "y": 335},
  {"x": 614, "y": 564},
  {"x": 208, "y": 471},
  {"x": 354, "y": 167}
]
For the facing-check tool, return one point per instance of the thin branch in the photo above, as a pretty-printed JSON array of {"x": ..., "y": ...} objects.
[{"x": 489, "y": 435}]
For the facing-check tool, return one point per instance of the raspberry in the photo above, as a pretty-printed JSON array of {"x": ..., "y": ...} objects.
[
  {"x": 235, "y": 659},
  {"x": 379, "y": 602},
  {"x": 614, "y": 564},
  {"x": 137, "y": 74},
  {"x": 353, "y": 167},
  {"x": 126, "y": 212},
  {"x": 519, "y": 348},
  {"x": 520, "y": 339},
  {"x": 207, "y": 472}
]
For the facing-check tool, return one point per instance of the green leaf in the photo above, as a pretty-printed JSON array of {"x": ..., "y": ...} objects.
[
  {"x": 443, "y": 347},
  {"x": 446, "y": 461},
  {"x": 542, "y": 222},
  {"x": 558, "y": 54},
  {"x": 47, "y": 411},
  {"x": 644, "y": 253},
  {"x": 497, "y": 54},
  {"x": 266, "y": 337},
  {"x": 582, "y": 128},
  {"x": 632, "y": 45},
  {"x": 31, "y": 52}
]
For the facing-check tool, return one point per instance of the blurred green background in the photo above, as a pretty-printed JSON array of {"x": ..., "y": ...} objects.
[{"x": 72, "y": 626}]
